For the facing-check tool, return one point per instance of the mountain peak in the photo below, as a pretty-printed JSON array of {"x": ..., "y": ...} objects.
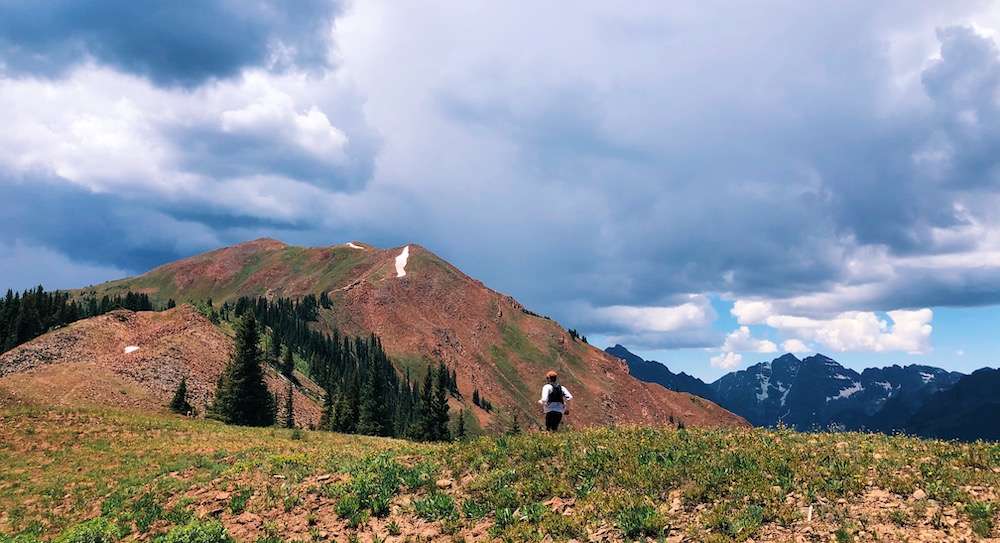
[
  {"x": 424, "y": 309},
  {"x": 263, "y": 243},
  {"x": 787, "y": 357}
]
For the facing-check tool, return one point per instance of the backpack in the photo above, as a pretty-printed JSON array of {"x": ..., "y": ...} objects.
[{"x": 556, "y": 394}]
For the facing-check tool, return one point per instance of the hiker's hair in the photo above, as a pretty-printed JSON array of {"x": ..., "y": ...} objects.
[{"x": 552, "y": 376}]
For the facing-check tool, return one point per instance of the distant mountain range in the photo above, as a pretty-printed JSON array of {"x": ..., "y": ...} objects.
[{"x": 817, "y": 392}]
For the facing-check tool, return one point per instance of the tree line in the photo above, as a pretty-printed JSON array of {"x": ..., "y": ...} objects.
[{"x": 29, "y": 314}]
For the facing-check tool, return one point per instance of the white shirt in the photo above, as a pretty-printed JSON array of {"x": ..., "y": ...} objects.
[{"x": 555, "y": 406}]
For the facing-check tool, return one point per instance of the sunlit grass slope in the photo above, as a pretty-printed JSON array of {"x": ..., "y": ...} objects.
[{"x": 93, "y": 476}]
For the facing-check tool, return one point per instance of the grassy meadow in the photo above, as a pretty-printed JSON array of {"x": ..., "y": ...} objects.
[{"x": 91, "y": 477}]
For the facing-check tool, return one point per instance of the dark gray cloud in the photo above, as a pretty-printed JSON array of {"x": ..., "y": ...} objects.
[
  {"x": 213, "y": 152},
  {"x": 172, "y": 43},
  {"x": 121, "y": 232}
]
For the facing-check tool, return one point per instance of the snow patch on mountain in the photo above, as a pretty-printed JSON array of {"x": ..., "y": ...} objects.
[
  {"x": 847, "y": 392},
  {"x": 352, "y": 245},
  {"x": 401, "y": 262},
  {"x": 765, "y": 380},
  {"x": 927, "y": 377},
  {"x": 784, "y": 392}
]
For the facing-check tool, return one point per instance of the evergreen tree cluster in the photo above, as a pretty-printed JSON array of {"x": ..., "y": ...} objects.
[
  {"x": 576, "y": 335},
  {"x": 481, "y": 402},
  {"x": 29, "y": 314},
  {"x": 364, "y": 393}
]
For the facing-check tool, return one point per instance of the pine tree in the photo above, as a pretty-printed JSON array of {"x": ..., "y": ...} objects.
[
  {"x": 370, "y": 418},
  {"x": 440, "y": 406},
  {"x": 275, "y": 351},
  {"x": 423, "y": 424},
  {"x": 242, "y": 396},
  {"x": 515, "y": 426},
  {"x": 475, "y": 397},
  {"x": 180, "y": 402},
  {"x": 287, "y": 363},
  {"x": 326, "y": 422},
  {"x": 453, "y": 383},
  {"x": 289, "y": 408},
  {"x": 171, "y": 303},
  {"x": 460, "y": 429}
]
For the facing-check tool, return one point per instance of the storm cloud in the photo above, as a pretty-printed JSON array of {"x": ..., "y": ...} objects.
[{"x": 172, "y": 43}]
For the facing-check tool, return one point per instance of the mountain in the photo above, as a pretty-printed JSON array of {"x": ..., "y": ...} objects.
[
  {"x": 425, "y": 310},
  {"x": 654, "y": 372},
  {"x": 817, "y": 392},
  {"x": 127, "y": 359},
  {"x": 968, "y": 411}
]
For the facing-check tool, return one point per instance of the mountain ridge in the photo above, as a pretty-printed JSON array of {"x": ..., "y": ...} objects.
[
  {"x": 426, "y": 310},
  {"x": 818, "y": 392}
]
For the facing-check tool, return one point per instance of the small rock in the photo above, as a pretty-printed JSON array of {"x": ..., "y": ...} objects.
[
  {"x": 279, "y": 476},
  {"x": 248, "y": 518},
  {"x": 919, "y": 494},
  {"x": 222, "y": 496},
  {"x": 324, "y": 477},
  {"x": 443, "y": 483}
]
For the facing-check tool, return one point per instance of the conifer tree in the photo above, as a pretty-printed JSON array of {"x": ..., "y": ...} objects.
[
  {"x": 439, "y": 407},
  {"x": 289, "y": 408},
  {"x": 171, "y": 303},
  {"x": 242, "y": 396},
  {"x": 460, "y": 429},
  {"x": 180, "y": 402},
  {"x": 453, "y": 383},
  {"x": 475, "y": 397},
  {"x": 287, "y": 363},
  {"x": 275, "y": 351},
  {"x": 326, "y": 421},
  {"x": 515, "y": 426},
  {"x": 423, "y": 424},
  {"x": 370, "y": 417}
]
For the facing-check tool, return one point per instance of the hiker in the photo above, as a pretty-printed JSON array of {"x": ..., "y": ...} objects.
[{"x": 554, "y": 398}]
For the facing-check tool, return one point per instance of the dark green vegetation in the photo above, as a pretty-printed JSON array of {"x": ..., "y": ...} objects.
[
  {"x": 241, "y": 396},
  {"x": 363, "y": 392},
  {"x": 173, "y": 478},
  {"x": 27, "y": 315},
  {"x": 179, "y": 404}
]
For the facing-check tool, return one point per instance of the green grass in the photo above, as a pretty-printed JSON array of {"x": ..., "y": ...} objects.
[{"x": 144, "y": 473}]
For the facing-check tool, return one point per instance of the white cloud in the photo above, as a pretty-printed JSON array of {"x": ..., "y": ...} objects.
[
  {"x": 794, "y": 346},
  {"x": 909, "y": 330},
  {"x": 751, "y": 311},
  {"x": 726, "y": 360},
  {"x": 740, "y": 340},
  {"x": 110, "y": 131},
  {"x": 695, "y": 313}
]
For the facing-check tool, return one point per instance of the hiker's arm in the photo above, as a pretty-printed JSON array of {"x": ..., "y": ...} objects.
[{"x": 544, "y": 395}]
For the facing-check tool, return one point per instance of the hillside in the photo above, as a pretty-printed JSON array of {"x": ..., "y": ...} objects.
[
  {"x": 129, "y": 359},
  {"x": 426, "y": 310},
  {"x": 97, "y": 476},
  {"x": 654, "y": 372}
]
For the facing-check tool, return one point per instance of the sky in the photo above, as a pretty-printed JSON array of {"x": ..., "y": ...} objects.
[{"x": 709, "y": 183}]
